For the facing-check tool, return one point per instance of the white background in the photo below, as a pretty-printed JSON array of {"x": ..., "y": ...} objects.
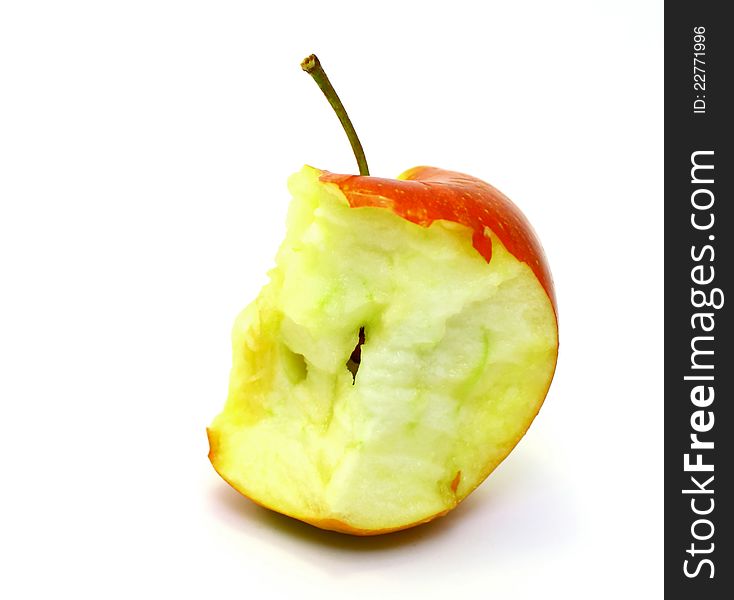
[{"x": 144, "y": 151}]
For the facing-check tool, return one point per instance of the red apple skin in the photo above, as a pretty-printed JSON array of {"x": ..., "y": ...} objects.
[{"x": 423, "y": 195}]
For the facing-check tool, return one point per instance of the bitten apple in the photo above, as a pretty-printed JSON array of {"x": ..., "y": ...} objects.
[{"x": 405, "y": 342}]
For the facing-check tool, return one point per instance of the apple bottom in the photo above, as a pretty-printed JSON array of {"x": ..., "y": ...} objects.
[{"x": 456, "y": 359}]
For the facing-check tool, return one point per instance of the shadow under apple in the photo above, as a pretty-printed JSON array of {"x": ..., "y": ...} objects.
[{"x": 521, "y": 509}]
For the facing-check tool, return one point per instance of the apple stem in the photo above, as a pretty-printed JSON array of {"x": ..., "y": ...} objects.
[{"x": 313, "y": 67}]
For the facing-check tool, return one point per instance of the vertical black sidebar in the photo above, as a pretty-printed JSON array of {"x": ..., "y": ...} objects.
[{"x": 699, "y": 297}]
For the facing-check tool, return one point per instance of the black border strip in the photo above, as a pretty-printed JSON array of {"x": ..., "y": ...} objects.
[{"x": 699, "y": 362}]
